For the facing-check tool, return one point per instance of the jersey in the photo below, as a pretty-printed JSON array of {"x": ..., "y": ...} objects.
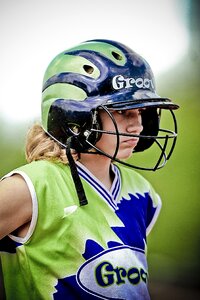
[{"x": 96, "y": 251}]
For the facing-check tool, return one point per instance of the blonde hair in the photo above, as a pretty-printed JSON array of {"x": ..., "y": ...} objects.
[{"x": 39, "y": 146}]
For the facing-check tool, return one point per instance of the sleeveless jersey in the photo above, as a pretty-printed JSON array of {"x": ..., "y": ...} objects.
[{"x": 97, "y": 251}]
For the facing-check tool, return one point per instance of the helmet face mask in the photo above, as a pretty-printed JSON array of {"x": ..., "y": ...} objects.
[
  {"x": 104, "y": 75},
  {"x": 163, "y": 140}
]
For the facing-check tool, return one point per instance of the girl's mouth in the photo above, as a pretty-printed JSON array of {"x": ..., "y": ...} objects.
[{"x": 132, "y": 142}]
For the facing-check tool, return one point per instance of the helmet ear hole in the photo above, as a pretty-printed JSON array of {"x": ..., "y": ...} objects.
[
  {"x": 116, "y": 55},
  {"x": 88, "y": 69},
  {"x": 74, "y": 128}
]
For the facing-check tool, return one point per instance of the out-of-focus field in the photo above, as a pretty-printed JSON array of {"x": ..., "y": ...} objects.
[{"x": 174, "y": 244}]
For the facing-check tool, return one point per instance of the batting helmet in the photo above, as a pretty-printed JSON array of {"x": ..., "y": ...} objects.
[{"x": 103, "y": 74}]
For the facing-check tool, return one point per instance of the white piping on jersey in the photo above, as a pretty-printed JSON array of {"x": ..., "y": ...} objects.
[
  {"x": 110, "y": 196},
  {"x": 156, "y": 214},
  {"x": 34, "y": 207},
  {"x": 116, "y": 186}
]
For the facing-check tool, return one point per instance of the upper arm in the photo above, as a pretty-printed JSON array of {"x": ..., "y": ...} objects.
[{"x": 15, "y": 204}]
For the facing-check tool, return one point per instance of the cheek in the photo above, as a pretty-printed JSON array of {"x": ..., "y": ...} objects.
[
  {"x": 107, "y": 140},
  {"x": 107, "y": 143}
]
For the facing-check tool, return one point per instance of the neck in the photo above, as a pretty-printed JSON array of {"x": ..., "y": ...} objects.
[{"x": 99, "y": 166}]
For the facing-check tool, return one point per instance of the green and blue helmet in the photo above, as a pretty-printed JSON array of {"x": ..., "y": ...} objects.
[{"x": 103, "y": 74}]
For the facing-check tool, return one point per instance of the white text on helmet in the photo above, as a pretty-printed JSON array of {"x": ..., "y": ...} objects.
[{"x": 119, "y": 82}]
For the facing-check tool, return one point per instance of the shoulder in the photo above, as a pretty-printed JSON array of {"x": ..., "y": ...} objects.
[
  {"x": 41, "y": 169},
  {"x": 15, "y": 204},
  {"x": 12, "y": 183},
  {"x": 39, "y": 166},
  {"x": 39, "y": 174}
]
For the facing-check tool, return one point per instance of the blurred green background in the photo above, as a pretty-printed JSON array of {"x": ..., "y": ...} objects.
[{"x": 174, "y": 243}]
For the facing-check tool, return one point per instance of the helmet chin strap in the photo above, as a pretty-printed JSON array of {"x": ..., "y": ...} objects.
[{"x": 77, "y": 181}]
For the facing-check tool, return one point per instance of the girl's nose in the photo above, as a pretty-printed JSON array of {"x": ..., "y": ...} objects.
[{"x": 134, "y": 121}]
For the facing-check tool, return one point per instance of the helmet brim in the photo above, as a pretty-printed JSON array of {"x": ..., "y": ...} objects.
[{"x": 140, "y": 99}]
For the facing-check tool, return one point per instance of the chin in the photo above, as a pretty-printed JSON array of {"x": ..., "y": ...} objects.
[{"x": 124, "y": 155}]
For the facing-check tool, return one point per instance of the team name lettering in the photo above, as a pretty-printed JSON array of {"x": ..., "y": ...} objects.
[
  {"x": 120, "y": 82},
  {"x": 107, "y": 275}
]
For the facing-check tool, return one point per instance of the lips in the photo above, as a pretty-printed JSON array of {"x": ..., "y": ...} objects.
[{"x": 131, "y": 142}]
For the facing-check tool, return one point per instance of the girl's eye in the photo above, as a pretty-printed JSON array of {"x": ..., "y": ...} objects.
[
  {"x": 141, "y": 110},
  {"x": 121, "y": 112}
]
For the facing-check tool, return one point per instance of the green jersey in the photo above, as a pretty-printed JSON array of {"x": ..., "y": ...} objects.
[{"x": 97, "y": 251}]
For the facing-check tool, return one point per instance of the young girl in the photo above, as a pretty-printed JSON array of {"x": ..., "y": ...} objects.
[{"x": 74, "y": 220}]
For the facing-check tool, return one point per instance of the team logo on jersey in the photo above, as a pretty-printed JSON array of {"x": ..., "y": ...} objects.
[
  {"x": 120, "y": 82},
  {"x": 117, "y": 273}
]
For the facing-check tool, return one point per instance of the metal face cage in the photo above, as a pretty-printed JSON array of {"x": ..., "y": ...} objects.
[{"x": 164, "y": 141}]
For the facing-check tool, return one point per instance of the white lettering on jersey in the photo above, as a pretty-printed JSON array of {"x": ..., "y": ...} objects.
[{"x": 119, "y": 272}]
